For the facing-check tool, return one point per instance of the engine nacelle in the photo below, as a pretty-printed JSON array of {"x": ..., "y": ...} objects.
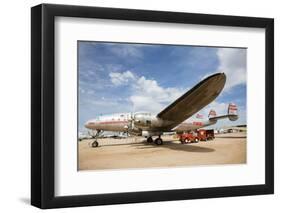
[
  {"x": 143, "y": 120},
  {"x": 146, "y": 121}
]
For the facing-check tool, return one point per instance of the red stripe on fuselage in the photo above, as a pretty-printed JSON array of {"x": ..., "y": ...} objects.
[
  {"x": 111, "y": 122},
  {"x": 196, "y": 123}
]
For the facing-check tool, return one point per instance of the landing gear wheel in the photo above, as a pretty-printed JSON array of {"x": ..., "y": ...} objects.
[
  {"x": 158, "y": 141},
  {"x": 95, "y": 144},
  {"x": 149, "y": 140}
]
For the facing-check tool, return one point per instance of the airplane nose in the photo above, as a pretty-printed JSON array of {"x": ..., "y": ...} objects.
[{"x": 88, "y": 124}]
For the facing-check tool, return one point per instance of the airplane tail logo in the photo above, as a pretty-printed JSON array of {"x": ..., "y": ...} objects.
[
  {"x": 212, "y": 114},
  {"x": 199, "y": 116},
  {"x": 232, "y": 112}
]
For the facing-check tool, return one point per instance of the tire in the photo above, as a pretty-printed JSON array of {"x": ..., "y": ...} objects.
[
  {"x": 196, "y": 140},
  {"x": 95, "y": 144},
  {"x": 187, "y": 140},
  {"x": 149, "y": 140},
  {"x": 159, "y": 141}
]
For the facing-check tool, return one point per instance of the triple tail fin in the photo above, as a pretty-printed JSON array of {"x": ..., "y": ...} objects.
[
  {"x": 232, "y": 113},
  {"x": 212, "y": 114}
]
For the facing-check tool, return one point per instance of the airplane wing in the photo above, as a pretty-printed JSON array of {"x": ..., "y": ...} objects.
[{"x": 192, "y": 101}]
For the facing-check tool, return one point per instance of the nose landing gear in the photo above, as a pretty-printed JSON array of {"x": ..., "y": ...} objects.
[
  {"x": 157, "y": 141},
  {"x": 95, "y": 144}
]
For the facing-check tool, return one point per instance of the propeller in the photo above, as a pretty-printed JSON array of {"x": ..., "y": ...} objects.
[
  {"x": 91, "y": 133},
  {"x": 132, "y": 120},
  {"x": 94, "y": 133},
  {"x": 131, "y": 124}
]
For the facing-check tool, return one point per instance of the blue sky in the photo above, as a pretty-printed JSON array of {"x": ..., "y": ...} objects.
[{"x": 122, "y": 77}]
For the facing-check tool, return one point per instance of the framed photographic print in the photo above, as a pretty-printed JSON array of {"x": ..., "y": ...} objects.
[{"x": 141, "y": 106}]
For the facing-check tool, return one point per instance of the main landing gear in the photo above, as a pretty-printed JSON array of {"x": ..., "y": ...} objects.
[
  {"x": 149, "y": 140},
  {"x": 157, "y": 141}
]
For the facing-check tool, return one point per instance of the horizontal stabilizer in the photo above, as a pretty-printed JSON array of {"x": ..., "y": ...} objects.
[{"x": 232, "y": 113}]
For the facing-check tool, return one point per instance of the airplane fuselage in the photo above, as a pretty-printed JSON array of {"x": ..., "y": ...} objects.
[{"x": 142, "y": 124}]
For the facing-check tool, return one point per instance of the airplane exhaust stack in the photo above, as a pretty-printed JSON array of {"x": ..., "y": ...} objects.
[{"x": 232, "y": 112}]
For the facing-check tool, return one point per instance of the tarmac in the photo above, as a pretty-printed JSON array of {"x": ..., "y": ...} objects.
[{"x": 135, "y": 152}]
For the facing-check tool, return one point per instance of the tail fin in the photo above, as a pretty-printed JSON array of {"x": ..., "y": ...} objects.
[
  {"x": 212, "y": 114},
  {"x": 232, "y": 112},
  {"x": 199, "y": 116}
]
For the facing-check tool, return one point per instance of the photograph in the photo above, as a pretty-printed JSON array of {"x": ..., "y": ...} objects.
[
  {"x": 144, "y": 106},
  {"x": 139, "y": 105}
]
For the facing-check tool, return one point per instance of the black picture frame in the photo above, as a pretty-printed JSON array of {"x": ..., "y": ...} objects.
[{"x": 43, "y": 102}]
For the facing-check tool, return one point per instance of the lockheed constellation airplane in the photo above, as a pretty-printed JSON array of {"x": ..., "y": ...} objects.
[{"x": 174, "y": 118}]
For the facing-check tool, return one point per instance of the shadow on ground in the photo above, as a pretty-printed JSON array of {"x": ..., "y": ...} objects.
[
  {"x": 233, "y": 137},
  {"x": 173, "y": 146},
  {"x": 166, "y": 144}
]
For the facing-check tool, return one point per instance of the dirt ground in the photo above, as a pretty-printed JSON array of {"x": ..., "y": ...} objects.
[{"x": 130, "y": 152}]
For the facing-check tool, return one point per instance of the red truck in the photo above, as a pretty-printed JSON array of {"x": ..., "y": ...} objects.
[
  {"x": 188, "y": 138},
  {"x": 206, "y": 134},
  {"x": 195, "y": 137}
]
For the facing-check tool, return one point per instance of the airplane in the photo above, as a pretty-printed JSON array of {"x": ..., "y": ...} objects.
[{"x": 174, "y": 118}]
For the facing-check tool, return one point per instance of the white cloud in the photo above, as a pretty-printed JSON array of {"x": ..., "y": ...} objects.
[
  {"x": 147, "y": 94},
  {"x": 118, "y": 78},
  {"x": 151, "y": 88},
  {"x": 233, "y": 64},
  {"x": 145, "y": 103}
]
